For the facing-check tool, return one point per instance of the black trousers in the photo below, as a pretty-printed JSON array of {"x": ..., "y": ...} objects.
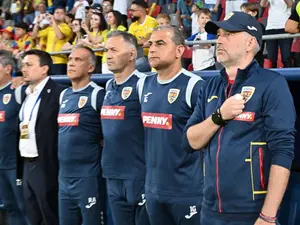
[{"x": 41, "y": 200}]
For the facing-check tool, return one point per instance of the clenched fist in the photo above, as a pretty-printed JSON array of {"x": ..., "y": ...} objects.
[{"x": 232, "y": 107}]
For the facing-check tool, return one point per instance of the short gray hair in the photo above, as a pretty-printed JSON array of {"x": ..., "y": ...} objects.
[
  {"x": 6, "y": 58},
  {"x": 177, "y": 37},
  {"x": 92, "y": 57},
  {"x": 128, "y": 38}
]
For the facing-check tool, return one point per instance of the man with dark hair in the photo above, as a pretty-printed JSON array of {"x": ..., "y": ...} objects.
[
  {"x": 57, "y": 34},
  {"x": 142, "y": 27},
  {"x": 124, "y": 170},
  {"x": 82, "y": 193},
  {"x": 174, "y": 177},
  {"x": 38, "y": 139},
  {"x": 10, "y": 192}
]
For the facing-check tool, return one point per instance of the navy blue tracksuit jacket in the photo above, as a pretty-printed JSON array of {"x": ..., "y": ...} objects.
[{"x": 239, "y": 156}]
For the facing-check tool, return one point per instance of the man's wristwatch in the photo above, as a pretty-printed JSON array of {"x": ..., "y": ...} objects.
[{"x": 217, "y": 118}]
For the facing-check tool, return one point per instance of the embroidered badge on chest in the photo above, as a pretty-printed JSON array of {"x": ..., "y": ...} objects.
[
  {"x": 173, "y": 95},
  {"x": 126, "y": 92},
  {"x": 247, "y": 92},
  {"x": 6, "y": 99},
  {"x": 82, "y": 101}
]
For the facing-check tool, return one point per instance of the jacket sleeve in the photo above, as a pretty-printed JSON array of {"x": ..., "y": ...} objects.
[
  {"x": 196, "y": 117},
  {"x": 279, "y": 121}
]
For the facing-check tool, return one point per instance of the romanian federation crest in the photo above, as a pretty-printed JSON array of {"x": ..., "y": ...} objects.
[
  {"x": 247, "y": 92},
  {"x": 173, "y": 95},
  {"x": 126, "y": 92},
  {"x": 82, "y": 101},
  {"x": 6, "y": 99}
]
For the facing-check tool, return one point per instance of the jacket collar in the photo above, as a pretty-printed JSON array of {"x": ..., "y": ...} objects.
[{"x": 241, "y": 73}]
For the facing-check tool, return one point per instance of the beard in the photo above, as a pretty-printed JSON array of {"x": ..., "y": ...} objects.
[{"x": 134, "y": 18}]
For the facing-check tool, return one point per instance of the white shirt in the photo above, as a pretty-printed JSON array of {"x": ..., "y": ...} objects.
[
  {"x": 202, "y": 58},
  {"x": 278, "y": 14},
  {"x": 28, "y": 147},
  {"x": 80, "y": 12},
  {"x": 122, "y": 6},
  {"x": 195, "y": 24}
]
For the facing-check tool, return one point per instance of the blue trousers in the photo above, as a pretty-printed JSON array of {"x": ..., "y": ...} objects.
[
  {"x": 127, "y": 201},
  {"x": 82, "y": 201},
  {"x": 170, "y": 210},
  {"x": 12, "y": 197},
  {"x": 213, "y": 218}
]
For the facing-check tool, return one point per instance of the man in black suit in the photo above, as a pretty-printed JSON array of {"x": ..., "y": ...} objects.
[{"x": 38, "y": 139}]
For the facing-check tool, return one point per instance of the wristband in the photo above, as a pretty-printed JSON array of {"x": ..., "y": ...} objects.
[
  {"x": 217, "y": 118},
  {"x": 268, "y": 219}
]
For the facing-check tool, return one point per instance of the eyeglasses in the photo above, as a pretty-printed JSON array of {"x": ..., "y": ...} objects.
[
  {"x": 75, "y": 25},
  {"x": 105, "y": 5}
]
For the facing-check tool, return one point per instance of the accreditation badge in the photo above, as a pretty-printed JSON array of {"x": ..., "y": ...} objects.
[{"x": 24, "y": 130}]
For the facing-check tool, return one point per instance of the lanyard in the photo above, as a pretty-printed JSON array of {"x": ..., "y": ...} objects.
[{"x": 30, "y": 116}]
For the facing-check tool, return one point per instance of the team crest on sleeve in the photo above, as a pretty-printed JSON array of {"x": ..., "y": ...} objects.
[
  {"x": 173, "y": 95},
  {"x": 126, "y": 92},
  {"x": 247, "y": 92},
  {"x": 82, "y": 101},
  {"x": 6, "y": 99}
]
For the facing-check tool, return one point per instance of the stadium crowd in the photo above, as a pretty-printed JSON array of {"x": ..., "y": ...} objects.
[
  {"x": 168, "y": 148},
  {"x": 56, "y": 26}
]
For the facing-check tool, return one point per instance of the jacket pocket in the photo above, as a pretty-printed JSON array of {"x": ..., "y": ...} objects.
[{"x": 257, "y": 163}]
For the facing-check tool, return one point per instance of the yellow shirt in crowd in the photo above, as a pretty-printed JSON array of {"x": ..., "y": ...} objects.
[
  {"x": 23, "y": 43},
  {"x": 103, "y": 34},
  {"x": 141, "y": 31},
  {"x": 54, "y": 44}
]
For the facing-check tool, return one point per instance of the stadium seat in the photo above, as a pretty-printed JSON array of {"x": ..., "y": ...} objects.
[
  {"x": 190, "y": 67},
  {"x": 188, "y": 52},
  {"x": 169, "y": 8},
  {"x": 174, "y": 20}
]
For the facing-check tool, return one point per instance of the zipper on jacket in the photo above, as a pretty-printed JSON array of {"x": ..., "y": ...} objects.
[
  {"x": 227, "y": 94},
  {"x": 261, "y": 167}
]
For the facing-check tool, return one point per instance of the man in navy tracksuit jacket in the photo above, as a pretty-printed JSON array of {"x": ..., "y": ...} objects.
[{"x": 244, "y": 121}]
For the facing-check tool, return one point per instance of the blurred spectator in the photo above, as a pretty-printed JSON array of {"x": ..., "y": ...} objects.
[
  {"x": 23, "y": 42},
  {"x": 78, "y": 34},
  {"x": 203, "y": 54},
  {"x": 69, "y": 18},
  {"x": 252, "y": 8},
  {"x": 41, "y": 11},
  {"x": 79, "y": 9},
  {"x": 142, "y": 27},
  {"x": 57, "y": 35},
  {"x": 107, "y": 7},
  {"x": 184, "y": 12},
  {"x": 163, "y": 19},
  {"x": 16, "y": 11},
  {"x": 96, "y": 35},
  {"x": 28, "y": 12},
  {"x": 197, "y": 6},
  {"x": 292, "y": 26},
  {"x": 5, "y": 18},
  {"x": 215, "y": 7},
  {"x": 7, "y": 37},
  {"x": 279, "y": 12},
  {"x": 70, "y": 5},
  {"x": 115, "y": 22},
  {"x": 5, "y": 4}
]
